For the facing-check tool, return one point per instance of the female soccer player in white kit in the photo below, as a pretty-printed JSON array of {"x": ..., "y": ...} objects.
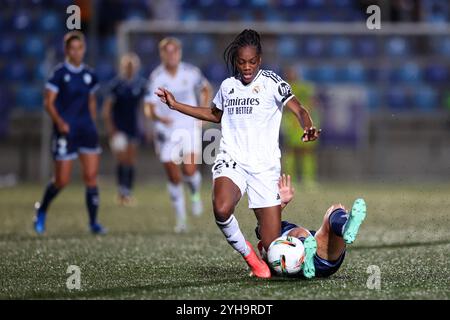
[
  {"x": 177, "y": 136},
  {"x": 249, "y": 107}
]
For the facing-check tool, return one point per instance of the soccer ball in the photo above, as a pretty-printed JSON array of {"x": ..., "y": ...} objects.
[
  {"x": 285, "y": 255},
  {"x": 119, "y": 142}
]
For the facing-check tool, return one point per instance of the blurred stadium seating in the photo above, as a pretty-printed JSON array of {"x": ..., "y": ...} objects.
[{"x": 29, "y": 28}]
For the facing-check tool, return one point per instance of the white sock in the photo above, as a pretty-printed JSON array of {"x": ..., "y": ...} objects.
[
  {"x": 177, "y": 197},
  {"x": 194, "y": 182},
  {"x": 230, "y": 228}
]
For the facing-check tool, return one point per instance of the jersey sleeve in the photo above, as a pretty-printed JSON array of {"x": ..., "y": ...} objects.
[
  {"x": 54, "y": 81},
  {"x": 281, "y": 90},
  {"x": 218, "y": 99},
  {"x": 94, "y": 86}
]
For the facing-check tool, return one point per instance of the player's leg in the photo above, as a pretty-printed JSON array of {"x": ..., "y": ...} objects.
[
  {"x": 269, "y": 221},
  {"x": 121, "y": 158},
  {"x": 89, "y": 164},
  {"x": 226, "y": 195},
  {"x": 193, "y": 178},
  {"x": 176, "y": 193},
  {"x": 62, "y": 174},
  {"x": 329, "y": 237},
  {"x": 125, "y": 173}
]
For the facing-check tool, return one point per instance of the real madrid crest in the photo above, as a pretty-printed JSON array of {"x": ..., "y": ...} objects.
[{"x": 255, "y": 89}]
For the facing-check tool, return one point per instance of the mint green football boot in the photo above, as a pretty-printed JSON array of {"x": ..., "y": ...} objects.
[{"x": 356, "y": 217}]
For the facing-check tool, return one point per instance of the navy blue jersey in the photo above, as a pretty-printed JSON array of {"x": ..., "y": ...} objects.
[
  {"x": 126, "y": 96},
  {"x": 73, "y": 86}
]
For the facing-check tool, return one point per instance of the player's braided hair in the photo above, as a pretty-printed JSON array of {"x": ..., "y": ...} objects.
[{"x": 247, "y": 37}]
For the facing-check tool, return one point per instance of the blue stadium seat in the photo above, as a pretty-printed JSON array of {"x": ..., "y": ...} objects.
[
  {"x": 190, "y": 15},
  {"x": 21, "y": 21},
  {"x": 110, "y": 46},
  {"x": 426, "y": 99},
  {"x": 355, "y": 73},
  {"x": 105, "y": 70},
  {"x": 203, "y": 3},
  {"x": 441, "y": 46},
  {"x": 29, "y": 97},
  {"x": 203, "y": 45},
  {"x": 8, "y": 46},
  {"x": 292, "y": 4},
  {"x": 216, "y": 72},
  {"x": 341, "y": 47},
  {"x": 288, "y": 47},
  {"x": 315, "y": 3},
  {"x": 314, "y": 47},
  {"x": 34, "y": 46},
  {"x": 16, "y": 70},
  {"x": 305, "y": 72},
  {"x": 259, "y": 3},
  {"x": 40, "y": 72},
  {"x": 367, "y": 47},
  {"x": 49, "y": 22},
  {"x": 409, "y": 73},
  {"x": 373, "y": 99},
  {"x": 326, "y": 73},
  {"x": 146, "y": 46},
  {"x": 232, "y": 3},
  {"x": 437, "y": 73},
  {"x": 397, "y": 99},
  {"x": 397, "y": 47}
]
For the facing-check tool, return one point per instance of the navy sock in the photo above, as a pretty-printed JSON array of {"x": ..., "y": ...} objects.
[
  {"x": 120, "y": 171},
  {"x": 131, "y": 177},
  {"x": 50, "y": 193},
  {"x": 337, "y": 220},
  {"x": 92, "y": 203},
  {"x": 129, "y": 174}
]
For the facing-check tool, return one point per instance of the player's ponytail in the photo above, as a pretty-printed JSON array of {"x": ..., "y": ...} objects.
[{"x": 247, "y": 37}]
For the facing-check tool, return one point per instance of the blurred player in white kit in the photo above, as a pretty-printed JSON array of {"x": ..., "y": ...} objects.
[{"x": 178, "y": 136}]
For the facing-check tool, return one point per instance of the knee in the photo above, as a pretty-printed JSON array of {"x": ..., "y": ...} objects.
[
  {"x": 61, "y": 182},
  {"x": 330, "y": 210},
  {"x": 90, "y": 178},
  {"x": 222, "y": 210}
]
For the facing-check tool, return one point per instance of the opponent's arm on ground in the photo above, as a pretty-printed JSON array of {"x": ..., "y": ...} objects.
[
  {"x": 310, "y": 132},
  {"x": 211, "y": 114},
  {"x": 49, "y": 104},
  {"x": 107, "y": 108}
]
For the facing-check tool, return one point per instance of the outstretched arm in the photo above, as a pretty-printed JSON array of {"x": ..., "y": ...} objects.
[
  {"x": 212, "y": 114},
  {"x": 310, "y": 132},
  {"x": 286, "y": 190}
]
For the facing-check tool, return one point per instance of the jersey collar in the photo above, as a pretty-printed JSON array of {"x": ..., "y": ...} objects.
[{"x": 72, "y": 68}]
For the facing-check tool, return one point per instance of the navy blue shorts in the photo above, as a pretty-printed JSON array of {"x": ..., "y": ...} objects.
[
  {"x": 82, "y": 140},
  {"x": 324, "y": 268}
]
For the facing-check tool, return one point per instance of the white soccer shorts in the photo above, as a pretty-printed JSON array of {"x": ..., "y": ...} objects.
[{"x": 261, "y": 188}]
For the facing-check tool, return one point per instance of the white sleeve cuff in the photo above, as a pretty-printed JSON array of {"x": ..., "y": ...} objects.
[{"x": 51, "y": 87}]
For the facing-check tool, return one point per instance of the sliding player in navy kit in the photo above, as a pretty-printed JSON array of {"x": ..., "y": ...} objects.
[
  {"x": 70, "y": 102},
  {"x": 120, "y": 112}
]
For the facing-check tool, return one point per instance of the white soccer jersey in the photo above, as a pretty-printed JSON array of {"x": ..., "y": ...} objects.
[
  {"x": 251, "y": 119},
  {"x": 185, "y": 86}
]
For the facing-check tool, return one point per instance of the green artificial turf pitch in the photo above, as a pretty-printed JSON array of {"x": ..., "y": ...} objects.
[{"x": 406, "y": 234}]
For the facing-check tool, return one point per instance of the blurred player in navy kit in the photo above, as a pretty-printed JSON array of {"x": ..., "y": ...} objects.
[
  {"x": 121, "y": 109},
  {"x": 70, "y": 101}
]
